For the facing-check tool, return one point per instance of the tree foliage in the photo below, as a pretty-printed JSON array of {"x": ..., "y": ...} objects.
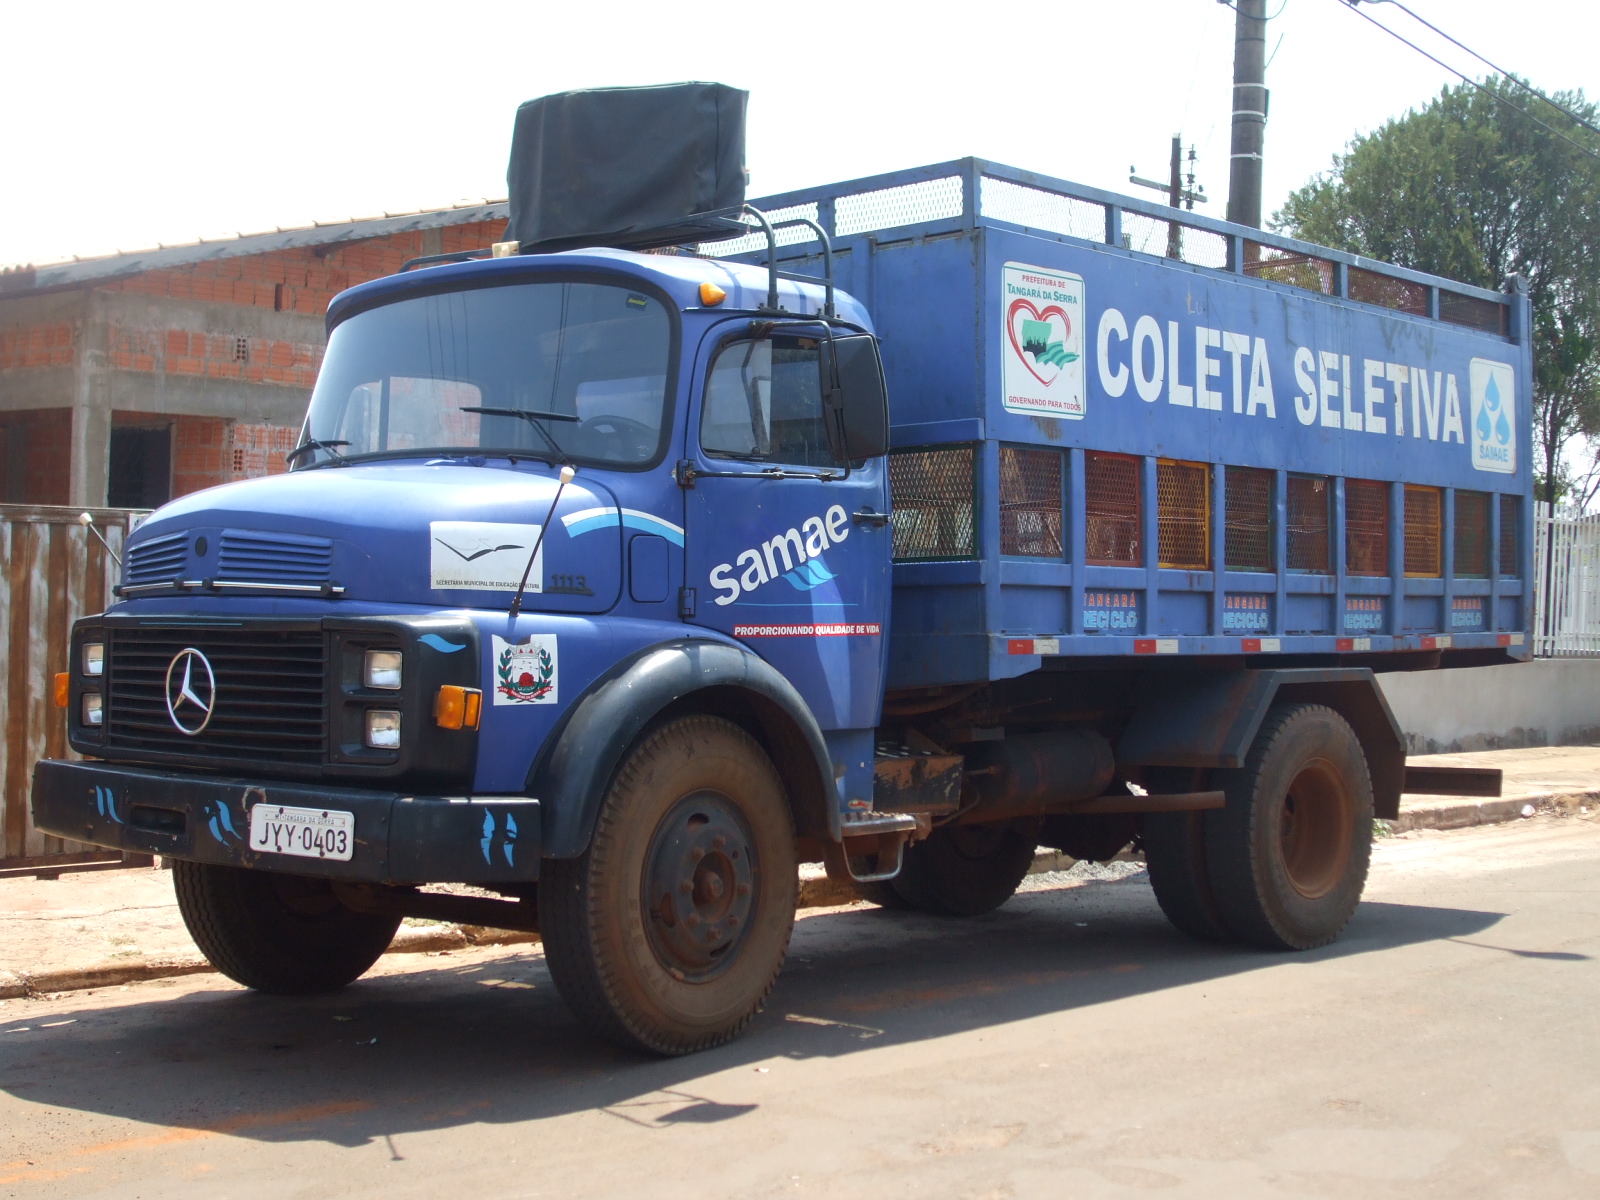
[{"x": 1473, "y": 190}]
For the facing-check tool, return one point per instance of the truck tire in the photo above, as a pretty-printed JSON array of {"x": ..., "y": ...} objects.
[
  {"x": 964, "y": 870},
  {"x": 1288, "y": 855},
  {"x": 667, "y": 934},
  {"x": 283, "y": 934},
  {"x": 1175, "y": 858}
]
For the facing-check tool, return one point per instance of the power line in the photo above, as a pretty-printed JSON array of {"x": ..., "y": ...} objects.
[
  {"x": 1399, "y": 37},
  {"x": 1421, "y": 20}
]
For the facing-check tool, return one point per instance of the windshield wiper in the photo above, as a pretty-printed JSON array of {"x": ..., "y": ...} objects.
[
  {"x": 533, "y": 419},
  {"x": 316, "y": 444}
]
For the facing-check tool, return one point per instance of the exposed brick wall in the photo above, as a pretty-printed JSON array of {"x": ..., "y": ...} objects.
[
  {"x": 36, "y": 467},
  {"x": 215, "y": 356},
  {"x": 36, "y": 346},
  {"x": 303, "y": 280},
  {"x": 199, "y": 454},
  {"x": 258, "y": 450}
]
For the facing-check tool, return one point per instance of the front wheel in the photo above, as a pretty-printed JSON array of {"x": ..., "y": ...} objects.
[
  {"x": 667, "y": 934},
  {"x": 1288, "y": 854},
  {"x": 284, "y": 934}
]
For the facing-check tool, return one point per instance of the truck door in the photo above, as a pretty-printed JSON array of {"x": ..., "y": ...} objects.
[{"x": 785, "y": 550}]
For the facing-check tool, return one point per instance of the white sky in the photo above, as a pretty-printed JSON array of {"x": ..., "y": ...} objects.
[{"x": 130, "y": 125}]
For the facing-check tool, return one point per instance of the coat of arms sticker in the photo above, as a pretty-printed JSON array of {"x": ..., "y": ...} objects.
[{"x": 526, "y": 672}]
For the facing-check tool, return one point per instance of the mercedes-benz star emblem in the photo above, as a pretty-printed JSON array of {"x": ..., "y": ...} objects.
[{"x": 191, "y": 695}]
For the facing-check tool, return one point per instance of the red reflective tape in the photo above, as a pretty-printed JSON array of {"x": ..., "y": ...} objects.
[
  {"x": 1144, "y": 645},
  {"x": 1345, "y": 644},
  {"x": 1429, "y": 643},
  {"x": 1504, "y": 639},
  {"x": 1019, "y": 646},
  {"x": 1250, "y": 645}
]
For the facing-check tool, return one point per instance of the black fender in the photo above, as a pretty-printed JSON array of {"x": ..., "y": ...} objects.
[
  {"x": 1210, "y": 718},
  {"x": 573, "y": 771}
]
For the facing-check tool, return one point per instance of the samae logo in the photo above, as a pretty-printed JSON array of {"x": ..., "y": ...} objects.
[{"x": 795, "y": 556}]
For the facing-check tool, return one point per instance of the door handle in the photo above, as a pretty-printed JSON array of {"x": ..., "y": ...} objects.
[{"x": 867, "y": 516}]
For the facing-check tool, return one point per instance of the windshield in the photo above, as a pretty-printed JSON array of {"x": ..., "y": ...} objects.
[{"x": 594, "y": 356}]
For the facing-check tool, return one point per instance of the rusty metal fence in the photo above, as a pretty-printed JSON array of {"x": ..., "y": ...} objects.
[{"x": 52, "y": 571}]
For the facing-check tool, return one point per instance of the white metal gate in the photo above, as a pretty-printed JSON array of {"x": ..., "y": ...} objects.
[{"x": 1566, "y": 572}]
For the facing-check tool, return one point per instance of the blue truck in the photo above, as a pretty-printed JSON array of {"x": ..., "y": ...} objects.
[{"x": 906, "y": 525}]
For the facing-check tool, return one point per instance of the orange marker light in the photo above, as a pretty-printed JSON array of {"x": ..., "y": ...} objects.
[
  {"x": 62, "y": 689},
  {"x": 711, "y": 295},
  {"x": 457, "y": 707}
]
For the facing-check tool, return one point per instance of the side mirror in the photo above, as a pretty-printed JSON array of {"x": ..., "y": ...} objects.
[{"x": 854, "y": 396}]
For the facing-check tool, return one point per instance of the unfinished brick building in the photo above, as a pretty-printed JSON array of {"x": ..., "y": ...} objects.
[{"x": 135, "y": 378}]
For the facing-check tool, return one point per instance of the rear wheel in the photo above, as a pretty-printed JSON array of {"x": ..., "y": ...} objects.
[
  {"x": 964, "y": 870},
  {"x": 286, "y": 934},
  {"x": 668, "y": 933},
  {"x": 1175, "y": 857},
  {"x": 1288, "y": 855}
]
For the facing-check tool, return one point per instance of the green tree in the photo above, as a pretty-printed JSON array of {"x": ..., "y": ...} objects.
[{"x": 1473, "y": 190}]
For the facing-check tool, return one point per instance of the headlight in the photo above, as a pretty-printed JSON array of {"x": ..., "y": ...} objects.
[
  {"x": 383, "y": 670},
  {"x": 383, "y": 729},
  {"x": 94, "y": 713},
  {"x": 94, "y": 658}
]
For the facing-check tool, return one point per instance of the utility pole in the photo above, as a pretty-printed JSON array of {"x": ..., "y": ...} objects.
[
  {"x": 1181, "y": 192},
  {"x": 1249, "y": 111}
]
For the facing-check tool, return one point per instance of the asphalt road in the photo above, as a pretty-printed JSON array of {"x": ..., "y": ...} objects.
[{"x": 1070, "y": 1044}]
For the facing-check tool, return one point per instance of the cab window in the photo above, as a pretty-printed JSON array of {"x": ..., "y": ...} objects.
[{"x": 764, "y": 403}]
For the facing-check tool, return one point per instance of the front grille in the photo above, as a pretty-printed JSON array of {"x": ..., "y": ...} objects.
[
  {"x": 274, "y": 557},
  {"x": 158, "y": 560},
  {"x": 270, "y": 704}
]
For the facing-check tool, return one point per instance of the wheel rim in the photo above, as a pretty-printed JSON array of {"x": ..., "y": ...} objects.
[
  {"x": 1314, "y": 830},
  {"x": 700, "y": 886}
]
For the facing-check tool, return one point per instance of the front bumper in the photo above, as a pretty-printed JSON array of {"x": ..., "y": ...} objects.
[{"x": 399, "y": 838}]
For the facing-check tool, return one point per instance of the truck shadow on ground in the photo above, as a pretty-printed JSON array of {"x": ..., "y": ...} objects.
[{"x": 457, "y": 1044}]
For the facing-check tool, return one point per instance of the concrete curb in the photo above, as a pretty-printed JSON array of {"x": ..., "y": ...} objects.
[{"x": 816, "y": 891}]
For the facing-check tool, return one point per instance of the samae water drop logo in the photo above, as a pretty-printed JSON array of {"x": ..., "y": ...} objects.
[{"x": 1494, "y": 419}]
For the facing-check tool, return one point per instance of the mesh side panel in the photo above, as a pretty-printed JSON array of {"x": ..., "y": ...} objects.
[
  {"x": 1030, "y": 502},
  {"x": 1173, "y": 239},
  {"x": 791, "y": 236},
  {"x": 1039, "y": 209},
  {"x": 1508, "y": 535},
  {"x": 1472, "y": 312},
  {"x": 1424, "y": 508},
  {"x": 1111, "y": 508},
  {"x": 931, "y": 502},
  {"x": 1366, "y": 527},
  {"x": 909, "y": 204},
  {"x": 1308, "y": 498},
  {"x": 1248, "y": 519},
  {"x": 1283, "y": 266},
  {"x": 1472, "y": 535},
  {"x": 1372, "y": 288},
  {"x": 1183, "y": 515}
]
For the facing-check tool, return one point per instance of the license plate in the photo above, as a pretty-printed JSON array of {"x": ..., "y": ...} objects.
[{"x": 303, "y": 832}]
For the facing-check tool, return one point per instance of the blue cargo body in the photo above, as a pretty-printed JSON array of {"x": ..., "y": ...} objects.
[{"x": 1029, "y": 477}]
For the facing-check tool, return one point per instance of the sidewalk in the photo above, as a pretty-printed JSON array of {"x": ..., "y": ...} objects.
[{"x": 106, "y": 928}]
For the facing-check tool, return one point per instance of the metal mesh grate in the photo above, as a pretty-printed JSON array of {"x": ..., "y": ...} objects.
[
  {"x": 1039, "y": 209},
  {"x": 1111, "y": 508},
  {"x": 1284, "y": 266},
  {"x": 1366, "y": 527},
  {"x": 1487, "y": 315},
  {"x": 909, "y": 204},
  {"x": 1424, "y": 531},
  {"x": 1472, "y": 535},
  {"x": 1030, "y": 502},
  {"x": 1508, "y": 535},
  {"x": 1183, "y": 515},
  {"x": 1173, "y": 239},
  {"x": 1369, "y": 287},
  {"x": 1248, "y": 519},
  {"x": 931, "y": 497},
  {"x": 791, "y": 236},
  {"x": 1309, "y": 502}
]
